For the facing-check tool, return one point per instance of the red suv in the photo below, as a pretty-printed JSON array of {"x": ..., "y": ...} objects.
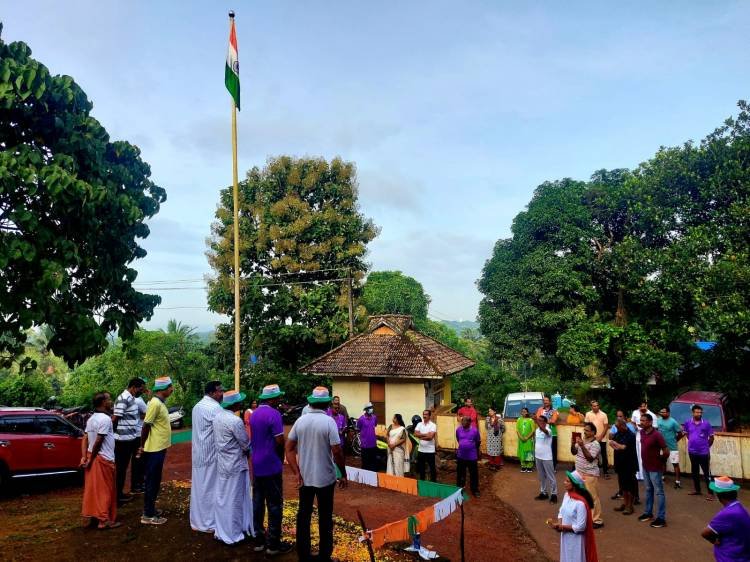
[{"x": 35, "y": 442}]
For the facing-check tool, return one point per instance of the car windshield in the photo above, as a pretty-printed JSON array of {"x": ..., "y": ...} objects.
[
  {"x": 682, "y": 412},
  {"x": 513, "y": 407}
]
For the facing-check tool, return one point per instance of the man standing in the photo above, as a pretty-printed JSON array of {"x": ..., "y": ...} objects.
[
  {"x": 337, "y": 403},
  {"x": 312, "y": 449},
  {"x": 125, "y": 424},
  {"x": 203, "y": 488},
  {"x": 636, "y": 419},
  {"x": 672, "y": 432},
  {"x": 600, "y": 420},
  {"x": 99, "y": 493},
  {"x": 467, "y": 455},
  {"x": 552, "y": 416},
  {"x": 729, "y": 530},
  {"x": 366, "y": 426},
  {"x": 626, "y": 463},
  {"x": 543, "y": 456},
  {"x": 426, "y": 431},
  {"x": 700, "y": 437},
  {"x": 156, "y": 438},
  {"x": 338, "y": 415},
  {"x": 233, "y": 500},
  {"x": 586, "y": 451},
  {"x": 468, "y": 410},
  {"x": 268, "y": 453},
  {"x": 654, "y": 453}
]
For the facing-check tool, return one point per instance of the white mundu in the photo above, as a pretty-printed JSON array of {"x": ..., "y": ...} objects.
[
  {"x": 233, "y": 504},
  {"x": 203, "y": 486}
]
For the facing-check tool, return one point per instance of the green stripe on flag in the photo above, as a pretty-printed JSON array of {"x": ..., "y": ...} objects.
[
  {"x": 232, "y": 82},
  {"x": 428, "y": 489}
]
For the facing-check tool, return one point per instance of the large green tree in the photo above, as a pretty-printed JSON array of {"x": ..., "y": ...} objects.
[
  {"x": 301, "y": 236},
  {"x": 72, "y": 207},
  {"x": 620, "y": 275},
  {"x": 392, "y": 292}
]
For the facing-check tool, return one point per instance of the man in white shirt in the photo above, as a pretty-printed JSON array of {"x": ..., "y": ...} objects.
[
  {"x": 233, "y": 501},
  {"x": 99, "y": 491},
  {"x": 127, "y": 438},
  {"x": 203, "y": 488},
  {"x": 426, "y": 432},
  {"x": 636, "y": 419}
]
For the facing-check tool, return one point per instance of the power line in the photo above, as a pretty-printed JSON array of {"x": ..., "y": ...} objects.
[
  {"x": 160, "y": 281},
  {"x": 204, "y": 287}
]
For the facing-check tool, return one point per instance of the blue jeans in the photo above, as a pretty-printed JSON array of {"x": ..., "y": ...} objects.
[
  {"x": 154, "y": 463},
  {"x": 654, "y": 482},
  {"x": 267, "y": 491}
]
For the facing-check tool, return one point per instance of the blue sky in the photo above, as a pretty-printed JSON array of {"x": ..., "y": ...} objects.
[{"x": 453, "y": 111}]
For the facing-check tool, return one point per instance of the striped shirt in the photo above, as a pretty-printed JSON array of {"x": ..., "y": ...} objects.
[
  {"x": 204, "y": 443},
  {"x": 126, "y": 409}
]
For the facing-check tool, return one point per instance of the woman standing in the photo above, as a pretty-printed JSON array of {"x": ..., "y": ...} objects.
[
  {"x": 525, "y": 429},
  {"x": 495, "y": 427},
  {"x": 247, "y": 415},
  {"x": 574, "y": 522},
  {"x": 396, "y": 446}
]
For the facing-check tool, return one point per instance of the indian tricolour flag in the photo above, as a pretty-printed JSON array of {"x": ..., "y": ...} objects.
[{"x": 232, "y": 69}]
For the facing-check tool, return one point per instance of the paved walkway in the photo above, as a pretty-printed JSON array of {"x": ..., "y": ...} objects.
[{"x": 622, "y": 537}]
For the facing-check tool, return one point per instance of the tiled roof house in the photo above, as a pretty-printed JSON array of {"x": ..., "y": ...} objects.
[{"x": 392, "y": 365}]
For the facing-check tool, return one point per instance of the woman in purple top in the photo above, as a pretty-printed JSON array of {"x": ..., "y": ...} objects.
[
  {"x": 468, "y": 453},
  {"x": 700, "y": 437},
  {"x": 729, "y": 530}
]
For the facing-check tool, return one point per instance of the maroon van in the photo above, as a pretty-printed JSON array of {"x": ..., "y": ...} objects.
[{"x": 716, "y": 409}]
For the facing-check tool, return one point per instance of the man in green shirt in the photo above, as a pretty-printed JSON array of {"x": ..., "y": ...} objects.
[
  {"x": 156, "y": 437},
  {"x": 672, "y": 432}
]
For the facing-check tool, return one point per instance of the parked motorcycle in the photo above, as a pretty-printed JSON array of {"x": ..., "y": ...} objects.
[
  {"x": 176, "y": 417},
  {"x": 290, "y": 413}
]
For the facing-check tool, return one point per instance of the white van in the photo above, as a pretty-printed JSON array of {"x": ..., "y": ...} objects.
[{"x": 515, "y": 401}]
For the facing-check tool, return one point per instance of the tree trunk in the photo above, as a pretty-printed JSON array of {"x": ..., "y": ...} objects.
[{"x": 621, "y": 315}]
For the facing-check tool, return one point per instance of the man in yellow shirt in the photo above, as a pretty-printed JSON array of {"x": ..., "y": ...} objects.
[{"x": 156, "y": 437}]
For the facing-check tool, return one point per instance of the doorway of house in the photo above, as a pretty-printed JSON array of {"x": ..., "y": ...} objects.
[{"x": 377, "y": 397}]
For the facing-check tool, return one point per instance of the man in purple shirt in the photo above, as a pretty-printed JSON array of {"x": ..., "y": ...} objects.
[
  {"x": 367, "y": 440},
  {"x": 700, "y": 437},
  {"x": 468, "y": 452},
  {"x": 337, "y": 413},
  {"x": 729, "y": 530},
  {"x": 267, "y": 444}
]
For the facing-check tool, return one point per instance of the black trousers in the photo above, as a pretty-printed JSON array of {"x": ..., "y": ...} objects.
[
  {"x": 698, "y": 463},
  {"x": 268, "y": 491},
  {"x": 461, "y": 467},
  {"x": 554, "y": 452},
  {"x": 137, "y": 473},
  {"x": 605, "y": 460},
  {"x": 124, "y": 453},
  {"x": 154, "y": 466},
  {"x": 325, "y": 522},
  {"x": 429, "y": 460},
  {"x": 370, "y": 458}
]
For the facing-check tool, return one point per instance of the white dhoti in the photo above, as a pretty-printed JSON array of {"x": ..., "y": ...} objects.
[
  {"x": 639, "y": 474},
  {"x": 233, "y": 507},
  {"x": 203, "y": 498}
]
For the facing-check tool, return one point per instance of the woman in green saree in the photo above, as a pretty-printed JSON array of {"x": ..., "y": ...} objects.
[{"x": 525, "y": 431}]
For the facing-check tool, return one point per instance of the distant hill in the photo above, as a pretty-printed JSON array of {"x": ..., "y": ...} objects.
[
  {"x": 207, "y": 336},
  {"x": 460, "y": 325}
]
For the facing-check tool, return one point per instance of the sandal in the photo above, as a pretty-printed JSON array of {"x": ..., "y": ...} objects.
[{"x": 109, "y": 525}]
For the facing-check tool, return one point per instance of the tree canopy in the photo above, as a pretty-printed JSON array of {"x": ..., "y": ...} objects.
[
  {"x": 392, "y": 292},
  {"x": 301, "y": 237},
  {"x": 619, "y": 276},
  {"x": 72, "y": 206}
]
